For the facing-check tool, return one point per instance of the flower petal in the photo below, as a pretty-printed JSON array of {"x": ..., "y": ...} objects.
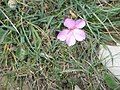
[
  {"x": 62, "y": 35},
  {"x": 69, "y": 23},
  {"x": 70, "y": 40},
  {"x": 79, "y": 34},
  {"x": 80, "y": 23}
]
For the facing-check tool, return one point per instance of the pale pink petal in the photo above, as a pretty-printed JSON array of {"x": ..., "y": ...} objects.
[
  {"x": 70, "y": 40},
  {"x": 80, "y": 23},
  {"x": 62, "y": 35},
  {"x": 79, "y": 34},
  {"x": 69, "y": 23}
]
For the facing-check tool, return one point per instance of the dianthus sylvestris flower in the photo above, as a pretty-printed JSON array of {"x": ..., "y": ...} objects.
[{"x": 73, "y": 31}]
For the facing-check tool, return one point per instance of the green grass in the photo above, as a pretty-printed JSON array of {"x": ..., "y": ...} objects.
[{"x": 31, "y": 57}]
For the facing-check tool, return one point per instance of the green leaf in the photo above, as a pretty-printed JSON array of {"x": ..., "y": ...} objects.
[
  {"x": 20, "y": 53},
  {"x": 2, "y": 35},
  {"x": 2, "y": 32},
  {"x": 110, "y": 81}
]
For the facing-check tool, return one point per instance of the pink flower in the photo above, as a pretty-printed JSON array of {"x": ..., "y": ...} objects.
[{"x": 73, "y": 32}]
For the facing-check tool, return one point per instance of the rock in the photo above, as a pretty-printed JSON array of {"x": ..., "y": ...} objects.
[
  {"x": 77, "y": 87},
  {"x": 110, "y": 57},
  {"x": 12, "y": 4}
]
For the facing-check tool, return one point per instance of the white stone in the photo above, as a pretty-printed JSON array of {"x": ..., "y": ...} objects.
[
  {"x": 77, "y": 87},
  {"x": 110, "y": 57},
  {"x": 12, "y": 4}
]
